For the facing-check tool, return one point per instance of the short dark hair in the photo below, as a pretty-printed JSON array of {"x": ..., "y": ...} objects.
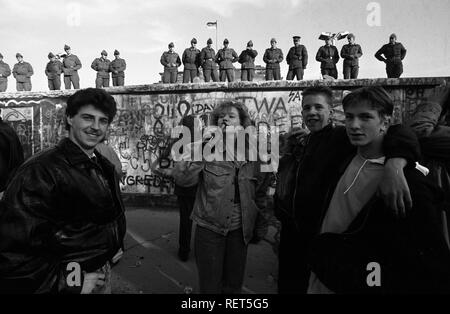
[
  {"x": 96, "y": 97},
  {"x": 375, "y": 96},
  {"x": 316, "y": 90},
  {"x": 244, "y": 116}
]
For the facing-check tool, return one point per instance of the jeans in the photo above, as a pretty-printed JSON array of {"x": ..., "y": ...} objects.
[{"x": 220, "y": 261}]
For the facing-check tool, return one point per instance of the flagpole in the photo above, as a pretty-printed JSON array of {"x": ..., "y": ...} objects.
[{"x": 216, "y": 35}]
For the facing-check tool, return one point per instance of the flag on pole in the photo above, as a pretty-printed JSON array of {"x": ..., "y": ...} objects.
[{"x": 211, "y": 24}]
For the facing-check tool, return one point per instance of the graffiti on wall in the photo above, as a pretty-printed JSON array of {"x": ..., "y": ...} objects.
[{"x": 141, "y": 130}]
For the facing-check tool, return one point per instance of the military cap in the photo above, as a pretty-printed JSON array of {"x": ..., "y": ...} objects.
[
  {"x": 104, "y": 53},
  {"x": 250, "y": 44},
  {"x": 209, "y": 41},
  {"x": 66, "y": 47},
  {"x": 225, "y": 41},
  {"x": 1, "y": 56},
  {"x": 193, "y": 40},
  {"x": 18, "y": 55},
  {"x": 171, "y": 45},
  {"x": 296, "y": 37},
  {"x": 350, "y": 35},
  {"x": 116, "y": 52},
  {"x": 273, "y": 40},
  {"x": 51, "y": 55}
]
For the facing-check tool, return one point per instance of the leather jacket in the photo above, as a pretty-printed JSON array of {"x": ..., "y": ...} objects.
[{"x": 61, "y": 207}]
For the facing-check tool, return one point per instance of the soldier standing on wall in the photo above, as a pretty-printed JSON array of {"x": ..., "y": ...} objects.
[
  {"x": 22, "y": 72},
  {"x": 53, "y": 71},
  {"x": 101, "y": 65},
  {"x": 328, "y": 56},
  {"x": 191, "y": 62},
  {"x": 71, "y": 65},
  {"x": 351, "y": 54},
  {"x": 226, "y": 57},
  {"x": 297, "y": 59},
  {"x": 5, "y": 71},
  {"x": 208, "y": 62},
  {"x": 171, "y": 61},
  {"x": 273, "y": 57},
  {"x": 247, "y": 59},
  {"x": 394, "y": 53},
  {"x": 117, "y": 68}
]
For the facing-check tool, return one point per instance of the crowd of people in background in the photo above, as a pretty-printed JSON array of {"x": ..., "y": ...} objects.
[{"x": 215, "y": 66}]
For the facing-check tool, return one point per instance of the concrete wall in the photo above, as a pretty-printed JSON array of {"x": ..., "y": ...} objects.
[{"x": 147, "y": 114}]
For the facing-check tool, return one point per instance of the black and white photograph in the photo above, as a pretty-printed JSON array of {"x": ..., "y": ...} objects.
[{"x": 225, "y": 154}]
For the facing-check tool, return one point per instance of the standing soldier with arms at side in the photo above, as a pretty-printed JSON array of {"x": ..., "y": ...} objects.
[
  {"x": 71, "y": 65},
  {"x": 351, "y": 54},
  {"x": 208, "y": 62},
  {"x": 117, "y": 68},
  {"x": 297, "y": 59},
  {"x": 22, "y": 72},
  {"x": 5, "y": 71},
  {"x": 101, "y": 65},
  {"x": 191, "y": 58},
  {"x": 225, "y": 58},
  {"x": 171, "y": 61},
  {"x": 328, "y": 56},
  {"x": 247, "y": 59},
  {"x": 394, "y": 53},
  {"x": 273, "y": 57},
  {"x": 53, "y": 72}
]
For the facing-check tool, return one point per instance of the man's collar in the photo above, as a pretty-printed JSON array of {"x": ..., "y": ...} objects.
[{"x": 74, "y": 154}]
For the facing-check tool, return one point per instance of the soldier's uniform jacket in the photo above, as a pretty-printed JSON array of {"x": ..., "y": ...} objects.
[
  {"x": 22, "y": 72},
  {"x": 351, "y": 54},
  {"x": 208, "y": 58},
  {"x": 247, "y": 58},
  {"x": 71, "y": 64},
  {"x": 393, "y": 53},
  {"x": 275, "y": 55},
  {"x": 324, "y": 56},
  {"x": 53, "y": 69},
  {"x": 101, "y": 66},
  {"x": 226, "y": 57},
  {"x": 5, "y": 71},
  {"x": 297, "y": 57},
  {"x": 118, "y": 65},
  {"x": 168, "y": 58},
  {"x": 191, "y": 58}
]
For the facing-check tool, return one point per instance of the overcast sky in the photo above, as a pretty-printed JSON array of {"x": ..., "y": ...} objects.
[{"x": 142, "y": 29}]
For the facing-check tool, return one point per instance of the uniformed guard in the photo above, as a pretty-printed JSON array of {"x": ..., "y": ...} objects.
[
  {"x": 225, "y": 58},
  {"x": 171, "y": 61},
  {"x": 117, "y": 68},
  {"x": 208, "y": 62},
  {"x": 101, "y": 65},
  {"x": 273, "y": 57},
  {"x": 247, "y": 59},
  {"x": 191, "y": 61},
  {"x": 351, "y": 54},
  {"x": 297, "y": 59},
  {"x": 53, "y": 72},
  {"x": 5, "y": 71},
  {"x": 392, "y": 54},
  {"x": 22, "y": 72},
  {"x": 71, "y": 65}
]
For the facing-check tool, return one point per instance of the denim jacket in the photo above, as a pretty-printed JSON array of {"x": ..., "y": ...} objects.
[{"x": 216, "y": 193}]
